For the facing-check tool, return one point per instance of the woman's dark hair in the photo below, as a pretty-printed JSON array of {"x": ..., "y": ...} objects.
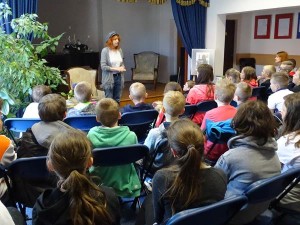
[
  {"x": 69, "y": 155},
  {"x": 206, "y": 76},
  {"x": 254, "y": 118},
  {"x": 187, "y": 141},
  {"x": 291, "y": 121}
]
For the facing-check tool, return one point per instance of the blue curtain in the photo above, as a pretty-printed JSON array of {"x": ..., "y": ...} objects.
[
  {"x": 190, "y": 22},
  {"x": 18, "y": 7}
]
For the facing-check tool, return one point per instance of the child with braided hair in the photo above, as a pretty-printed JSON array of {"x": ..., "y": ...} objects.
[{"x": 77, "y": 199}]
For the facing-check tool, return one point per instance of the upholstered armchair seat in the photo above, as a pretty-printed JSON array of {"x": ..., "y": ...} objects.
[
  {"x": 143, "y": 76},
  {"x": 78, "y": 74},
  {"x": 146, "y": 67}
]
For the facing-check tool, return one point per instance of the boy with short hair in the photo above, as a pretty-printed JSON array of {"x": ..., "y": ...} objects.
[
  {"x": 38, "y": 92},
  {"x": 242, "y": 93},
  {"x": 83, "y": 94},
  {"x": 137, "y": 94},
  {"x": 279, "y": 85},
  {"x": 173, "y": 107},
  {"x": 36, "y": 140},
  {"x": 266, "y": 74},
  {"x": 287, "y": 66},
  {"x": 224, "y": 94},
  {"x": 123, "y": 179},
  {"x": 187, "y": 87},
  {"x": 233, "y": 75}
]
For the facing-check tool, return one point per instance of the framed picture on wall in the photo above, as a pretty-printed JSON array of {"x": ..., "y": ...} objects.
[
  {"x": 262, "y": 27},
  {"x": 201, "y": 56},
  {"x": 283, "y": 26},
  {"x": 298, "y": 27}
]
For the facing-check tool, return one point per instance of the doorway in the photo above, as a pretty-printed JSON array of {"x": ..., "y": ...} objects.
[{"x": 229, "y": 45}]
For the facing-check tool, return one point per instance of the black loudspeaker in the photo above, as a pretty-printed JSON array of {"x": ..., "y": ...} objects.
[{"x": 247, "y": 62}]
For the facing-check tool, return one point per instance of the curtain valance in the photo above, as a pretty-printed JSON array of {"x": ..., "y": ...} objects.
[{"x": 204, "y": 3}]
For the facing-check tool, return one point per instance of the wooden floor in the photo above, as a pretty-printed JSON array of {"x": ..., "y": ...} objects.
[{"x": 153, "y": 95}]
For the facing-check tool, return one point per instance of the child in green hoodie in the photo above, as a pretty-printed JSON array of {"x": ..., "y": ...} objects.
[{"x": 123, "y": 179}]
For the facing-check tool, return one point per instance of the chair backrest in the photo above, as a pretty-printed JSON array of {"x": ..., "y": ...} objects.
[
  {"x": 189, "y": 111},
  {"x": 18, "y": 125},
  {"x": 215, "y": 214},
  {"x": 140, "y": 122},
  {"x": 258, "y": 91},
  {"x": 84, "y": 123},
  {"x": 161, "y": 157},
  {"x": 146, "y": 61},
  {"x": 77, "y": 74},
  {"x": 120, "y": 155},
  {"x": 29, "y": 178},
  {"x": 206, "y": 106},
  {"x": 268, "y": 189},
  {"x": 261, "y": 193}
]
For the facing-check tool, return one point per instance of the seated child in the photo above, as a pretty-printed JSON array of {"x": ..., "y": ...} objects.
[
  {"x": 77, "y": 199},
  {"x": 123, "y": 179},
  {"x": 7, "y": 155},
  {"x": 248, "y": 75},
  {"x": 190, "y": 176},
  {"x": 187, "y": 86},
  {"x": 233, "y": 75},
  {"x": 137, "y": 94},
  {"x": 242, "y": 93},
  {"x": 279, "y": 85},
  {"x": 296, "y": 81},
  {"x": 203, "y": 90},
  {"x": 288, "y": 66},
  {"x": 83, "y": 94},
  {"x": 36, "y": 140},
  {"x": 170, "y": 86},
  {"x": 224, "y": 94},
  {"x": 266, "y": 74},
  {"x": 38, "y": 92},
  {"x": 289, "y": 147},
  {"x": 173, "y": 107}
]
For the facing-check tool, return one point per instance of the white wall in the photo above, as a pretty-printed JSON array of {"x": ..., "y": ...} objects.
[
  {"x": 66, "y": 17},
  {"x": 216, "y": 18},
  {"x": 142, "y": 26}
]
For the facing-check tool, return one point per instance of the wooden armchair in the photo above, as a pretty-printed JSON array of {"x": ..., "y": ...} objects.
[
  {"x": 146, "y": 67},
  {"x": 77, "y": 74}
]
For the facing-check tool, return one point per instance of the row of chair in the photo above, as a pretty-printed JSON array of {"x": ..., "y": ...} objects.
[
  {"x": 30, "y": 176},
  {"x": 140, "y": 122},
  {"x": 241, "y": 209}
]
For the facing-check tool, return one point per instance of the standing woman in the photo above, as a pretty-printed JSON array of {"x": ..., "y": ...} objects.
[{"x": 112, "y": 67}]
